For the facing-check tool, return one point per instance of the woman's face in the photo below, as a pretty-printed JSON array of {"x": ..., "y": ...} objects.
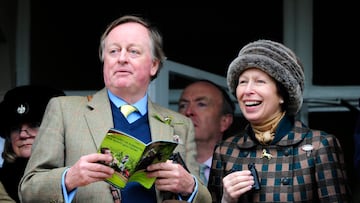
[
  {"x": 257, "y": 95},
  {"x": 22, "y": 139}
]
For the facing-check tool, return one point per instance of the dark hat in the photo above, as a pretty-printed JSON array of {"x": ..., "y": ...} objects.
[
  {"x": 276, "y": 60},
  {"x": 25, "y": 104}
]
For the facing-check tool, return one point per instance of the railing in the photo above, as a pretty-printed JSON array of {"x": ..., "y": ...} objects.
[
  {"x": 160, "y": 90},
  {"x": 316, "y": 99}
]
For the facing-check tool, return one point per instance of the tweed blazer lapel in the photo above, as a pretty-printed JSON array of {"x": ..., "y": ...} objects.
[
  {"x": 100, "y": 120},
  {"x": 99, "y": 117},
  {"x": 159, "y": 130}
]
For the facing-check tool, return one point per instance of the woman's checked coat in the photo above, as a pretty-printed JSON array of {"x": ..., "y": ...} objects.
[{"x": 300, "y": 165}]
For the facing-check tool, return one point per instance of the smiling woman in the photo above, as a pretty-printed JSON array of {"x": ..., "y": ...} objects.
[{"x": 267, "y": 79}]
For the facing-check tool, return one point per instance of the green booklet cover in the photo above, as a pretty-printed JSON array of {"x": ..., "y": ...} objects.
[{"x": 131, "y": 157}]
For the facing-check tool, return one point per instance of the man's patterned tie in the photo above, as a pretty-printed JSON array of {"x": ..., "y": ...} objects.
[{"x": 127, "y": 109}]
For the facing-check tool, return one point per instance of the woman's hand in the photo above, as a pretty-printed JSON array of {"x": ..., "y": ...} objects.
[{"x": 235, "y": 184}]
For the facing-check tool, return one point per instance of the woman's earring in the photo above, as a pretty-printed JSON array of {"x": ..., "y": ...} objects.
[{"x": 281, "y": 101}]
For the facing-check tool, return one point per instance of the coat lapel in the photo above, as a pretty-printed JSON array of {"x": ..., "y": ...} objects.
[
  {"x": 99, "y": 116},
  {"x": 99, "y": 119},
  {"x": 159, "y": 130}
]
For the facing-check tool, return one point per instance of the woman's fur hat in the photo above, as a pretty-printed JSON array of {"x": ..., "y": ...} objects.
[{"x": 276, "y": 60}]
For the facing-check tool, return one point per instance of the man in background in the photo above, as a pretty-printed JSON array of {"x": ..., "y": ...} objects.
[{"x": 212, "y": 112}]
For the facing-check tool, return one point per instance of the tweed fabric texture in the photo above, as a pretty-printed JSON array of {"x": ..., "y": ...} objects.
[
  {"x": 292, "y": 174},
  {"x": 81, "y": 125},
  {"x": 276, "y": 60}
]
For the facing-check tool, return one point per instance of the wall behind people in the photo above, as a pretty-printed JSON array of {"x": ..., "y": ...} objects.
[
  {"x": 96, "y": 16},
  {"x": 7, "y": 45}
]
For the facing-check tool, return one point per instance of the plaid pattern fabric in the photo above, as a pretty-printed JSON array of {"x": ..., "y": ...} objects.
[{"x": 291, "y": 174}]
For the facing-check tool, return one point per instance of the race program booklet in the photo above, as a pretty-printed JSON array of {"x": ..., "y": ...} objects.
[{"x": 131, "y": 157}]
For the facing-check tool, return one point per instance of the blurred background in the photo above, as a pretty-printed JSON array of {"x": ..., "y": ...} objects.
[{"x": 56, "y": 43}]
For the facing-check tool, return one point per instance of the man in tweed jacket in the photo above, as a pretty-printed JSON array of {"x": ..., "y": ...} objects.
[
  {"x": 64, "y": 166},
  {"x": 294, "y": 163}
]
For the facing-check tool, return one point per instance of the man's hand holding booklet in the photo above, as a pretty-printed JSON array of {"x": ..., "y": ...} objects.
[{"x": 131, "y": 157}]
